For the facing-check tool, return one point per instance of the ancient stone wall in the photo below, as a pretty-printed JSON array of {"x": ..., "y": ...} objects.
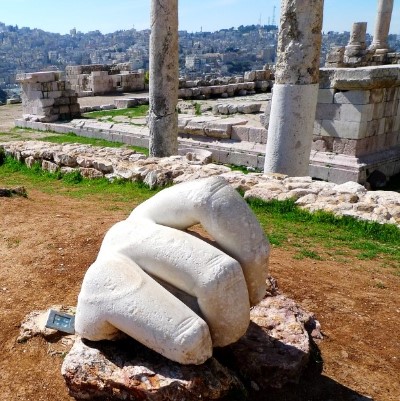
[
  {"x": 99, "y": 79},
  {"x": 337, "y": 57},
  {"x": 357, "y": 125},
  {"x": 250, "y": 83},
  {"x": 46, "y": 97}
]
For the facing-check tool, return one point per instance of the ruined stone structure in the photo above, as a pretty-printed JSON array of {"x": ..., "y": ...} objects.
[
  {"x": 335, "y": 57},
  {"x": 92, "y": 80},
  {"x": 296, "y": 86},
  {"x": 46, "y": 97},
  {"x": 379, "y": 44},
  {"x": 357, "y": 126},
  {"x": 164, "y": 78},
  {"x": 355, "y": 52},
  {"x": 351, "y": 139},
  {"x": 98, "y": 79},
  {"x": 251, "y": 82}
]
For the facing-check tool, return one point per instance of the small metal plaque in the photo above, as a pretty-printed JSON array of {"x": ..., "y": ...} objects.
[{"x": 61, "y": 321}]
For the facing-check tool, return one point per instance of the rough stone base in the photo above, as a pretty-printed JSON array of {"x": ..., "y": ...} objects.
[
  {"x": 128, "y": 371},
  {"x": 340, "y": 168},
  {"x": 276, "y": 347},
  {"x": 275, "y": 351}
]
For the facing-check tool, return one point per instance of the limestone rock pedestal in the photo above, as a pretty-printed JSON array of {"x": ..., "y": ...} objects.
[
  {"x": 276, "y": 348},
  {"x": 275, "y": 351},
  {"x": 126, "y": 370}
]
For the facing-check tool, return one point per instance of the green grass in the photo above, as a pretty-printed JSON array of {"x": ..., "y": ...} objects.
[
  {"x": 134, "y": 112},
  {"x": 14, "y": 173},
  {"x": 316, "y": 236},
  {"x": 197, "y": 109},
  {"x": 243, "y": 169},
  {"x": 289, "y": 226},
  {"x": 306, "y": 253},
  {"x": 73, "y": 138},
  {"x": 13, "y": 135},
  {"x": 70, "y": 137}
]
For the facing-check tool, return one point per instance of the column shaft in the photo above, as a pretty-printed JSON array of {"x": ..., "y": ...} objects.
[
  {"x": 164, "y": 78},
  {"x": 382, "y": 26},
  {"x": 296, "y": 88}
]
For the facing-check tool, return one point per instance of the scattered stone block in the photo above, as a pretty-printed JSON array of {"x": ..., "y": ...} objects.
[
  {"x": 107, "y": 107},
  {"x": 90, "y": 173},
  {"x": 125, "y": 103},
  {"x": 222, "y": 128},
  {"x": 49, "y": 166}
]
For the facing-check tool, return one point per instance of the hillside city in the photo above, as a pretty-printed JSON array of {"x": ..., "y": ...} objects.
[{"x": 225, "y": 52}]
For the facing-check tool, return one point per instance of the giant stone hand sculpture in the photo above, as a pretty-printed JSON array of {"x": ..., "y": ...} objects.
[{"x": 170, "y": 290}]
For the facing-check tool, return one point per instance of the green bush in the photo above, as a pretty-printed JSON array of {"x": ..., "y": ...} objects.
[{"x": 74, "y": 177}]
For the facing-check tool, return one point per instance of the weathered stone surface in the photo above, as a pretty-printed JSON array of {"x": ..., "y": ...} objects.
[
  {"x": 49, "y": 166},
  {"x": 196, "y": 155},
  {"x": 164, "y": 78},
  {"x": 127, "y": 288},
  {"x": 364, "y": 78},
  {"x": 382, "y": 25},
  {"x": 45, "y": 98},
  {"x": 127, "y": 371},
  {"x": 296, "y": 88},
  {"x": 290, "y": 131},
  {"x": 335, "y": 57},
  {"x": 274, "y": 351},
  {"x": 299, "y": 42},
  {"x": 36, "y": 77},
  {"x": 276, "y": 347},
  {"x": 90, "y": 173}
]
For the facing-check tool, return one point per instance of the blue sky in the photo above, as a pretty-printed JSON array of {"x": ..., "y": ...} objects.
[{"x": 107, "y": 16}]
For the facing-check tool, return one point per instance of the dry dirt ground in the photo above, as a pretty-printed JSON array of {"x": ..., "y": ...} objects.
[{"x": 47, "y": 241}]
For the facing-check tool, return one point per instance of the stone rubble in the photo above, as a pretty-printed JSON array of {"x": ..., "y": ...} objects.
[
  {"x": 226, "y": 108},
  {"x": 348, "y": 199},
  {"x": 250, "y": 83}
]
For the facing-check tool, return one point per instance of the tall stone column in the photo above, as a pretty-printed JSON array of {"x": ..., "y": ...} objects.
[
  {"x": 358, "y": 36},
  {"x": 164, "y": 78},
  {"x": 295, "y": 91},
  {"x": 356, "y": 50},
  {"x": 383, "y": 18}
]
